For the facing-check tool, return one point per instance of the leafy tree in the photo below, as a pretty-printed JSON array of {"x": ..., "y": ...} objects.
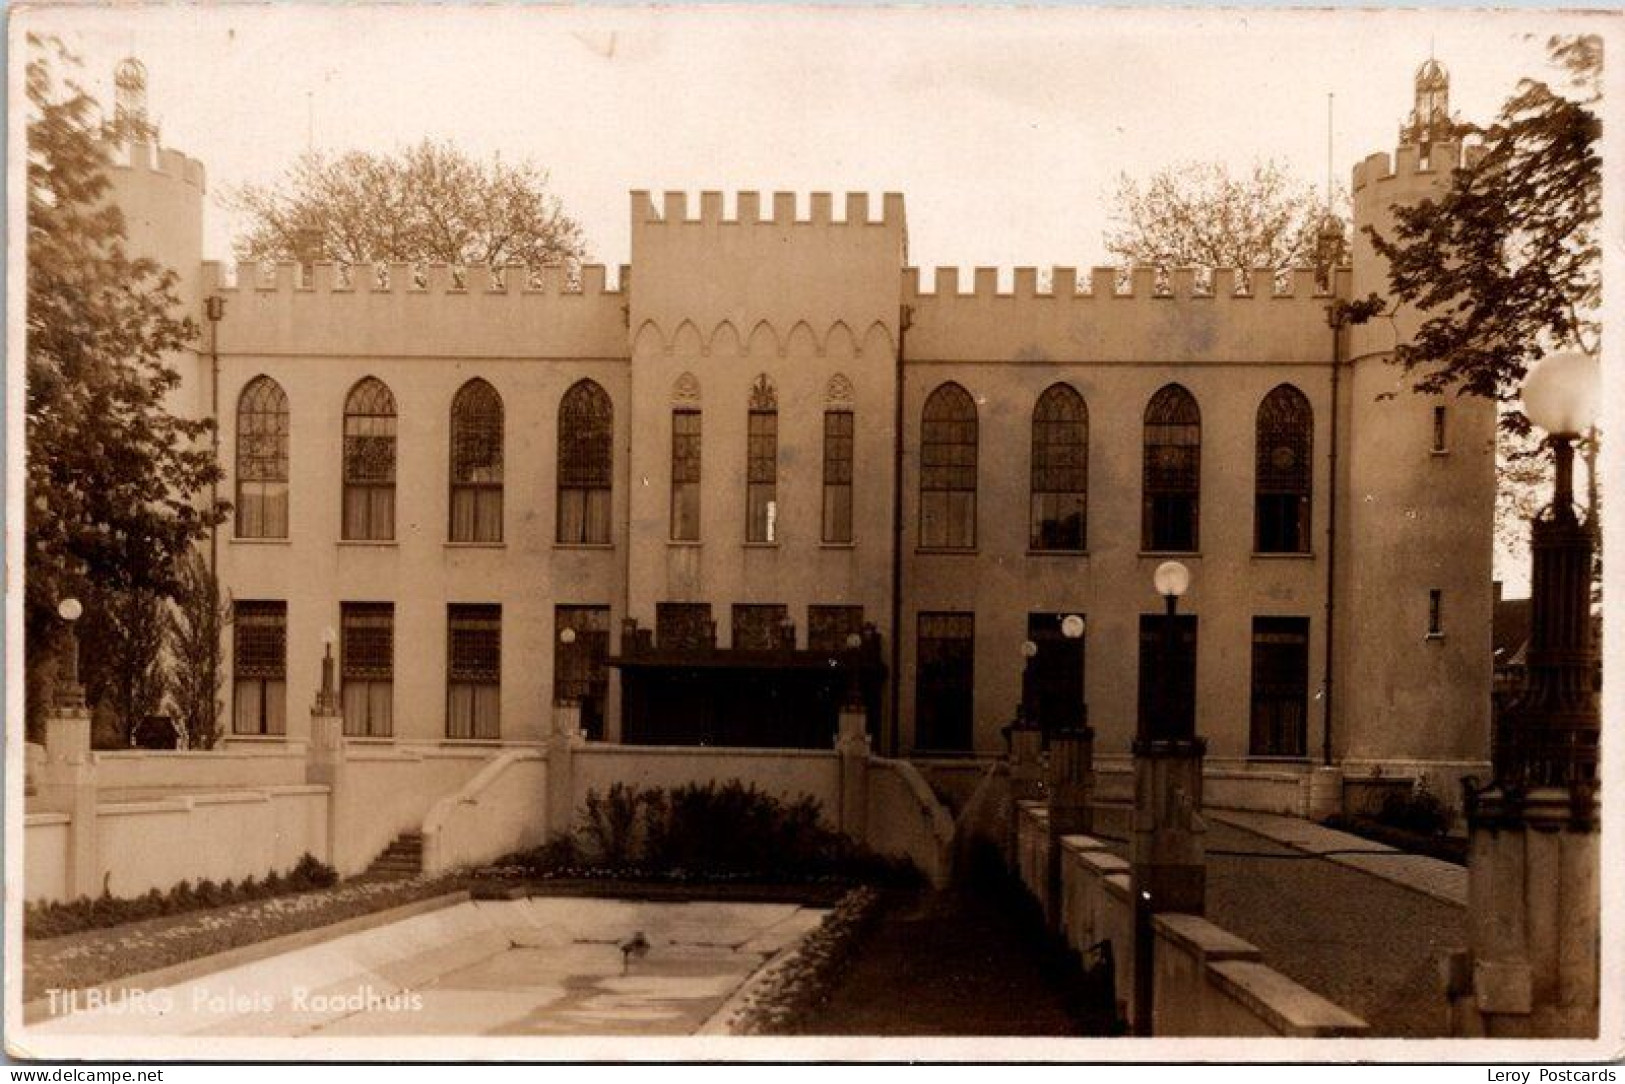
[
  {"x": 430, "y": 203},
  {"x": 1506, "y": 263},
  {"x": 1201, "y": 215},
  {"x": 113, "y": 478},
  {"x": 122, "y": 645},
  {"x": 194, "y": 627}
]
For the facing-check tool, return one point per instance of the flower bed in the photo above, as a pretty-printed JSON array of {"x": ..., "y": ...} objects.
[
  {"x": 798, "y": 983},
  {"x": 96, "y": 956}
]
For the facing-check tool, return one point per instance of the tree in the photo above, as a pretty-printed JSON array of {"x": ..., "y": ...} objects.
[
  {"x": 113, "y": 478},
  {"x": 1506, "y": 263},
  {"x": 122, "y": 645},
  {"x": 430, "y": 203},
  {"x": 195, "y": 624},
  {"x": 1200, "y": 215}
]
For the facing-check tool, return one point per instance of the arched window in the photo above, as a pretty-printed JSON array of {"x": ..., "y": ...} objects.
[
  {"x": 586, "y": 464},
  {"x": 762, "y": 463},
  {"x": 369, "y": 462},
  {"x": 840, "y": 428},
  {"x": 1173, "y": 472},
  {"x": 685, "y": 459},
  {"x": 1285, "y": 438},
  {"x": 948, "y": 470},
  {"x": 262, "y": 460},
  {"x": 1060, "y": 471},
  {"x": 476, "y": 464}
]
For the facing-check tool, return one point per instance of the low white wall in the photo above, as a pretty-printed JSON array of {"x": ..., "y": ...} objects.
[
  {"x": 231, "y": 835},
  {"x": 905, "y": 819},
  {"x": 785, "y": 773},
  {"x": 390, "y": 791},
  {"x": 503, "y": 809},
  {"x": 45, "y": 856},
  {"x": 215, "y": 769}
]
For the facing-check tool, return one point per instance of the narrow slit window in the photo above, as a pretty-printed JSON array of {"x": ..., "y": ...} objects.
[
  {"x": 1439, "y": 429},
  {"x": 1435, "y": 612}
]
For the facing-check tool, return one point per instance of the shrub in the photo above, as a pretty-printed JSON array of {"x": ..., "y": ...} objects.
[
  {"x": 1417, "y": 811},
  {"x": 310, "y": 872},
  {"x": 610, "y": 823}
]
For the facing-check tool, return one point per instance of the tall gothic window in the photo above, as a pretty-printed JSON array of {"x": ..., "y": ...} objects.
[
  {"x": 367, "y": 662},
  {"x": 262, "y": 460},
  {"x": 369, "y": 462},
  {"x": 838, "y": 431},
  {"x": 476, "y": 464},
  {"x": 1060, "y": 471},
  {"x": 1285, "y": 437},
  {"x": 948, "y": 470},
  {"x": 473, "y": 671},
  {"x": 259, "y": 667},
  {"x": 685, "y": 474},
  {"x": 1173, "y": 472},
  {"x": 762, "y": 463},
  {"x": 586, "y": 463}
]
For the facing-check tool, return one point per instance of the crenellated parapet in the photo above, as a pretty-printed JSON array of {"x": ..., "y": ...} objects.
[
  {"x": 1109, "y": 315},
  {"x": 781, "y": 211},
  {"x": 145, "y": 158},
  {"x": 421, "y": 310}
]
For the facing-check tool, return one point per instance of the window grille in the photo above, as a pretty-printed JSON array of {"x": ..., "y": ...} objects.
[
  {"x": 1173, "y": 468},
  {"x": 369, "y": 462},
  {"x": 838, "y": 433},
  {"x": 684, "y": 626},
  {"x": 1176, "y": 680},
  {"x": 474, "y": 671},
  {"x": 262, "y": 460},
  {"x": 1280, "y": 702},
  {"x": 829, "y": 626},
  {"x": 1060, "y": 471},
  {"x": 586, "y": 464},
  {"x": 259, "y": 664},
  {"x": 762, "y": 466},
  {"x": 1285, "y": 437},
  {"x": 756, "y": 626},
  {"x": 476, "y": 464},
  {"x": 580, "y": 675},
  {"x": 945, "y": 684},
  {"x": 367, "y": 667},
  {"x": 948, "y": 436},
  {"x": 685, "y": 475}
]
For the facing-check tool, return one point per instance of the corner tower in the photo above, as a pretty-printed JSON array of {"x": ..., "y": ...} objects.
[{"x": 1414, "y": 661}]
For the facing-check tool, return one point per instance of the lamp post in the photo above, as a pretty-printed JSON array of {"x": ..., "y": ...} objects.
[
  {"x": 70, "y": 694},
  {"x": 1167, "y": 868},
  {"x": 1533, "y": 857},
  {"x": 327, "y": 697},
  {"x": 1071, "y": 778},
  {"x": 1025, "y": 741},
  {"x": 1029, "y": 695}
]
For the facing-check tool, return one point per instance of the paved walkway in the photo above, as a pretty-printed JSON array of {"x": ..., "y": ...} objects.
[
  {"x": 945, "y": 963},
  {"x": 1364, "y": 930}
]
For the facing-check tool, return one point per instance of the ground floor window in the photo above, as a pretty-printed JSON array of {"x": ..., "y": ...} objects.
[
  {"x": 367, "y": 665},
  {"x": 1280, "y": 687},
  {"x": 1167, "y": 687},
  {"x": 684, "y": 626},
  {"x": 829, "y": 626},
  {"x": 579, "y": 674},
  {"x": 759, "y": 626},
  {"x": 944, "y": 687},
  {"x": 1056, "y": 674},
  {"x": 259, "y": 667},
  {"x": 473, "y": 671}
]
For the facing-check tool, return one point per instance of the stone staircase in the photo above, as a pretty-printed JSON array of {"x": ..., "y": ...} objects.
[{"x": 401, "y": 859}]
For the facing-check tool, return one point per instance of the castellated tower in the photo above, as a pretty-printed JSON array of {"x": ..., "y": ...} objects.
[
  {"x": 160, "y": 192},
  {"x": 1414, "y": 586}
]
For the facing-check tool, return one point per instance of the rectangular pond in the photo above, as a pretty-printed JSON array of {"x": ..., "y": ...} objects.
[{"x": 543, "y": 966}]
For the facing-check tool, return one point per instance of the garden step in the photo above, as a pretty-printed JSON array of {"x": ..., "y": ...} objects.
[{"x": 402, "y": 858}]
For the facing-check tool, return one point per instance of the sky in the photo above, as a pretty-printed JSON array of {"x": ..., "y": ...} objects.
[{"x": 1006, "y": 129}]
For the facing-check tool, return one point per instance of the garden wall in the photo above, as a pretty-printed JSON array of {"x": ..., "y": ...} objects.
[
  {"x": 785, "y": 773},
  {"x": 500, "y": 811},
  {"x": 235, "y": 766}
]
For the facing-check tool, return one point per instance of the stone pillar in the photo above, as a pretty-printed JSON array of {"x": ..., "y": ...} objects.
[
  {"x": 1533, "y": 919},
  {"x": 852, "y": 753},
  {"x": 562, "y": 742},
  {"x": 66, "y": 783},
  {"x": 1026, "y": 760},
  {"x": 326, "y": 764},
  {"x": 1166, "y": 852},
  {"x": 1071, "y": 798},
  {"x": 1325, "y": 793}
]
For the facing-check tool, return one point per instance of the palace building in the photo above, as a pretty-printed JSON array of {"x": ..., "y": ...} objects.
[{"x": 772, "y": 466}]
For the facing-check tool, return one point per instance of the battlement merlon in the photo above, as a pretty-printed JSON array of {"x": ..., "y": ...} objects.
[
  {"x": 674, "y": 208},
  {"x": 1407, "y": 162},
  {"x": 140, "y": 157},
  {"x": 1303, "y": 285},
  {"x": 514, "y": 280}
]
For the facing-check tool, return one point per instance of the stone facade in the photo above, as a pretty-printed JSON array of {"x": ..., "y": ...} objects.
[{"x": 819, "y": 299}]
